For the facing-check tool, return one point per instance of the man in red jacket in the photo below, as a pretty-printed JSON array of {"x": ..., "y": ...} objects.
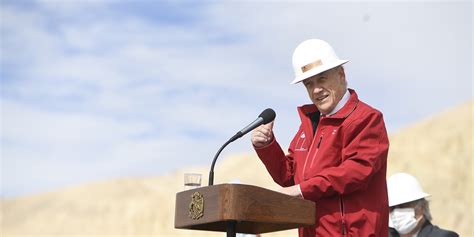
[{"x": 338, "y": 157}]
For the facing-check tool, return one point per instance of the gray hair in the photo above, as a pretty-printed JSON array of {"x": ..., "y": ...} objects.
[{"x": 424, "y": 204}]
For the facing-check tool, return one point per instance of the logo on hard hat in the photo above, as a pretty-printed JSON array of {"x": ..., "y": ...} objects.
[{"x": 312, "y": 65}]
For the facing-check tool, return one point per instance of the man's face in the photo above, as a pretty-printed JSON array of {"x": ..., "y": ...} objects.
[
  {"x": 326, "y": 89},
  {"x": 419, "y": 211}
]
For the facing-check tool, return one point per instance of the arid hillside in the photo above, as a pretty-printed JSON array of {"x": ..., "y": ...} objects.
[{"x": 437, "y": 150}]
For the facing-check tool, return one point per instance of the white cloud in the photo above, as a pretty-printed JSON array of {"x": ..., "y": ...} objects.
[{"x": 94, "y": 91}]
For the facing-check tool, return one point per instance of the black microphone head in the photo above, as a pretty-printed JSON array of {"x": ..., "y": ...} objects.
[{"x": 267, "y": 115}]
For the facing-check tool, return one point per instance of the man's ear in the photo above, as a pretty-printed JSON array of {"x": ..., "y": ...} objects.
[{"x": 341, "y": 73}]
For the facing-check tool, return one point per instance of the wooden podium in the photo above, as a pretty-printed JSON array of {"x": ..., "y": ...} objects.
[{"x": 239, "y": 208}]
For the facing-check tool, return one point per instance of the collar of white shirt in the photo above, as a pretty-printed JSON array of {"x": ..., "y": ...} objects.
[{"x": 341, "y": 103}]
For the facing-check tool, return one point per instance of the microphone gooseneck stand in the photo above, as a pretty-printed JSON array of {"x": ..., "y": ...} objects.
[
  {"x": 265, "y": 117},
  {"x": 230, "y": 224},
  {"x": 211, "y": 172}
]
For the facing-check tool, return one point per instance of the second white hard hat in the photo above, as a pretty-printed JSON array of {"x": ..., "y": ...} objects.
[
  {"x": 312, "y": 57},
  {"x": 403, "y": 188}
]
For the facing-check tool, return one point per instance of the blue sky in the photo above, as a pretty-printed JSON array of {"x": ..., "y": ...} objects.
[{"x": 94, "y": 90}]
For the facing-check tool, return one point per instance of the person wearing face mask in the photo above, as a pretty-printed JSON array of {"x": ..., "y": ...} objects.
[
  {"x": 409, "y": 210},
  {"x": 338, "y": 157}
]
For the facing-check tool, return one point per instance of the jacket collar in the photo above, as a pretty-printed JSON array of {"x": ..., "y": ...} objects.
[
  {"x": 344, "y": 112},
  {"x": 426, "y": 229},
  {"x": 340, "y": 104}
]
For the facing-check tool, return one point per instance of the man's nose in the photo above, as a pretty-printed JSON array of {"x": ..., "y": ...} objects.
[{"x": 317, "y": 89}]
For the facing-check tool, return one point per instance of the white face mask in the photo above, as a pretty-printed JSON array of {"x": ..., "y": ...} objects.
[{"x": 403, "y": 220}]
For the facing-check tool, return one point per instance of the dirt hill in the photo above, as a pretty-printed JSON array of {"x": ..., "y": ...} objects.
[{"x": 437, "y": 150}]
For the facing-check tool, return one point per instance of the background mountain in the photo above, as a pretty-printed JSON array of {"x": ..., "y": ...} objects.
[{"x": 437, "y": 150}]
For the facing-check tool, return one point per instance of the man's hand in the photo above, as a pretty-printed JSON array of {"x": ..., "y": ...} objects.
[
  {"x": 262, "y": 135},
  {"x": 293, "y": 191}
]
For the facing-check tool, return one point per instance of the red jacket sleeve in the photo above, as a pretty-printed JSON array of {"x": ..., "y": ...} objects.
[
  {"x": 279, "y": 165},
  {"x": 364, "y": 153}
]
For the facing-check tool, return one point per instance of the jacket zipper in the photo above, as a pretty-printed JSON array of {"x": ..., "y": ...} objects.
[
  {"x": 343, "y": 219},
  {"x": 317, "y": 150},
  {"x": 306, "y": 160},
  {"x": 309, "y": 152}
]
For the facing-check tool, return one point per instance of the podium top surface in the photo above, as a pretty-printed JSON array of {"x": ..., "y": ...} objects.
[{"x": 254, "y": 209}]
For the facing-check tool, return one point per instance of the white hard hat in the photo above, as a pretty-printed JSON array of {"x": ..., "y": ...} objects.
[
  {"x": 403, "y": 188},
  {"x": 312, "y": 57}
]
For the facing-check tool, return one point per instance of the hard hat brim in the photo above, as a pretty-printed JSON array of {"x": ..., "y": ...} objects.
[
  {"x": 392, "y": 203},
  {"x": 317, "y": 70}
]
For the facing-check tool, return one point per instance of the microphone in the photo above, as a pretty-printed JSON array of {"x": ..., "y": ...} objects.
[{"x": 265, "y": 117}]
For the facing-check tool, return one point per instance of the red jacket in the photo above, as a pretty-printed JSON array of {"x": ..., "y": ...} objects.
[{"x": 341, "y": 167}]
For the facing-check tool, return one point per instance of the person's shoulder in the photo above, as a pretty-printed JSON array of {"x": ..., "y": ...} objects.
[
  {"x": 444, "y": 233},
  {"x": 366, "y": 108},
  {"x": 361, "y": 106},
  {"x": 365, "y": 112},
  {"x": 435, "y": 231}
]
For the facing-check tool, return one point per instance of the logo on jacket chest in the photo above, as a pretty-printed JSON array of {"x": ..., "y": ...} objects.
[{"x": 301, "y": 142}]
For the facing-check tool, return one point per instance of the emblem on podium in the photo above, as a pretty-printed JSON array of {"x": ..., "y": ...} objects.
[{"x": 196, "y": 207}]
